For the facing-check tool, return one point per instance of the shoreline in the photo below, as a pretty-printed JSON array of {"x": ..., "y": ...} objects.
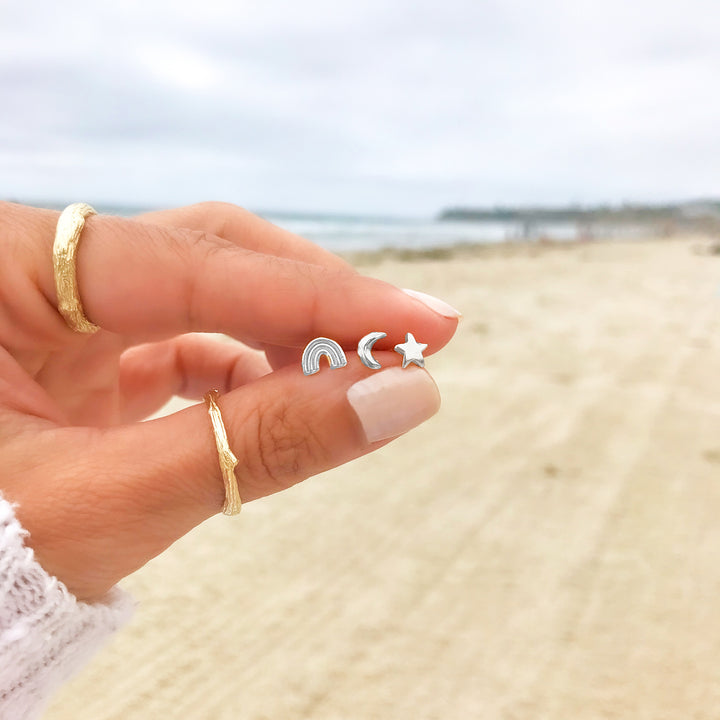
[{"x": 703, "y": 243}]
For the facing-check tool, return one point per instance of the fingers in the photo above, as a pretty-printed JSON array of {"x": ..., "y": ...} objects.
[
  {"x": 112, "y": 500},
  {"x": 149, "y": 282},
  {"x": 282, "y": 356},
  {"x": 283, "y": 428},
  {"x": 187, "y": 366},
  {"x": 246, "y": 230}
]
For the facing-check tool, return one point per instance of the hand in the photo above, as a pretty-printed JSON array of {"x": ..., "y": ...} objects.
[{"x": 101, "y": 493}]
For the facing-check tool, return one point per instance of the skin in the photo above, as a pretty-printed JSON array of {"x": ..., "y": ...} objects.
[{"x": 101, "y": 493}]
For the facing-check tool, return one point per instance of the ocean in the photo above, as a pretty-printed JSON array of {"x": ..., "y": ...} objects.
[
  {"x": 346, "y": 233},
  {"x": 352, "y": 234}
]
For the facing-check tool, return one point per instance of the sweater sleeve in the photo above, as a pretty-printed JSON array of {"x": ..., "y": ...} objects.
[{"x": 46, "y": 634}]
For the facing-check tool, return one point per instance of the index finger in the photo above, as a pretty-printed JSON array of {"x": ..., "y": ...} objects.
[
  {"x": 146, "y": 282},
  {"x": 244, "y": 229}
]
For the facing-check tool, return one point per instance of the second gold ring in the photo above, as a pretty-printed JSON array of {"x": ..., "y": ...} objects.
[{"x": 228, "y": 461}]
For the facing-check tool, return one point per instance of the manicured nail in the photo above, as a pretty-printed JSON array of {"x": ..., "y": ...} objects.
[
  {"x": 436, "y": 304},
  {"x": 391, "y": 402}
]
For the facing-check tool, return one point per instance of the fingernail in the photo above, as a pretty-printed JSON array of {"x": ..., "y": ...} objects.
[
  {"x": 436, "y": 304},
  {"x": 391, "y": 402}
]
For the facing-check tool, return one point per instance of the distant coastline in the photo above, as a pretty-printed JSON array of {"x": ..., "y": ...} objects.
[
  {"x": 627, "y": 213},
  {"x": 688, "y": 212}
]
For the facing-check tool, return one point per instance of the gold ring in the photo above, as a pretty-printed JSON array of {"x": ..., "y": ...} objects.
[
  {"x": 228, "y": 461},
  {"x": 67, "y": 236}
]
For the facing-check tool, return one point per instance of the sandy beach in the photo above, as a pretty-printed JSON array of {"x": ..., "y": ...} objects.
[{"x": 547, "y": 547}]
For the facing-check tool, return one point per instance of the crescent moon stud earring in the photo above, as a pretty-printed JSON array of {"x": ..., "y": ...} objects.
[{"x": 365, "y": 349}]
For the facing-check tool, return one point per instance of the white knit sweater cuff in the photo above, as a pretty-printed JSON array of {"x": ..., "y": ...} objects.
[{"x": 46, "y": 634}]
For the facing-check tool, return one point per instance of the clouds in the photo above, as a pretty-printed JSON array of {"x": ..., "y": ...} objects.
[{"x": 360, "y": 106}]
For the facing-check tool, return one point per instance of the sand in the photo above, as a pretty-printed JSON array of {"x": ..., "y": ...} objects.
[{"x": 547, "y": 547}]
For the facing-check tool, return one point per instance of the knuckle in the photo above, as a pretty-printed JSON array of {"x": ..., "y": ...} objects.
[
  {"x": 219, "y": 217},
  {"x": 205, "y": 246},
  {"x": 198, "y": 240},
  {"x": 199, "y": 250},
  {"x": 216, "y": 208},
  {"x": 285, "y": 449}
]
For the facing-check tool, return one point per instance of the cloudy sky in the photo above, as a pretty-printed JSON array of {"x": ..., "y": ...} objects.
[{"x": 359, "y": 106}]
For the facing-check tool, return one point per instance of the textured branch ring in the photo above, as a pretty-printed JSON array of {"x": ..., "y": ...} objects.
[
  {"x": 67, "y": 236},
  {"x": 228, "y": 461}
]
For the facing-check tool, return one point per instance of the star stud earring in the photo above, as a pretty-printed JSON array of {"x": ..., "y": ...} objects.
[{"x": 412, "y": 351}]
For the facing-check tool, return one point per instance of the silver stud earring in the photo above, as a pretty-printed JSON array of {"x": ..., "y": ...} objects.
[
  {"x": 318, "y": 347},
  {"x": 365, "y": 349},
  {"x": 412, "y": 351}
]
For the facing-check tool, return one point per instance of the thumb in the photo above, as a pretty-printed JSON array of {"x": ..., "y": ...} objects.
[{"x": 138, "y": 488}]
